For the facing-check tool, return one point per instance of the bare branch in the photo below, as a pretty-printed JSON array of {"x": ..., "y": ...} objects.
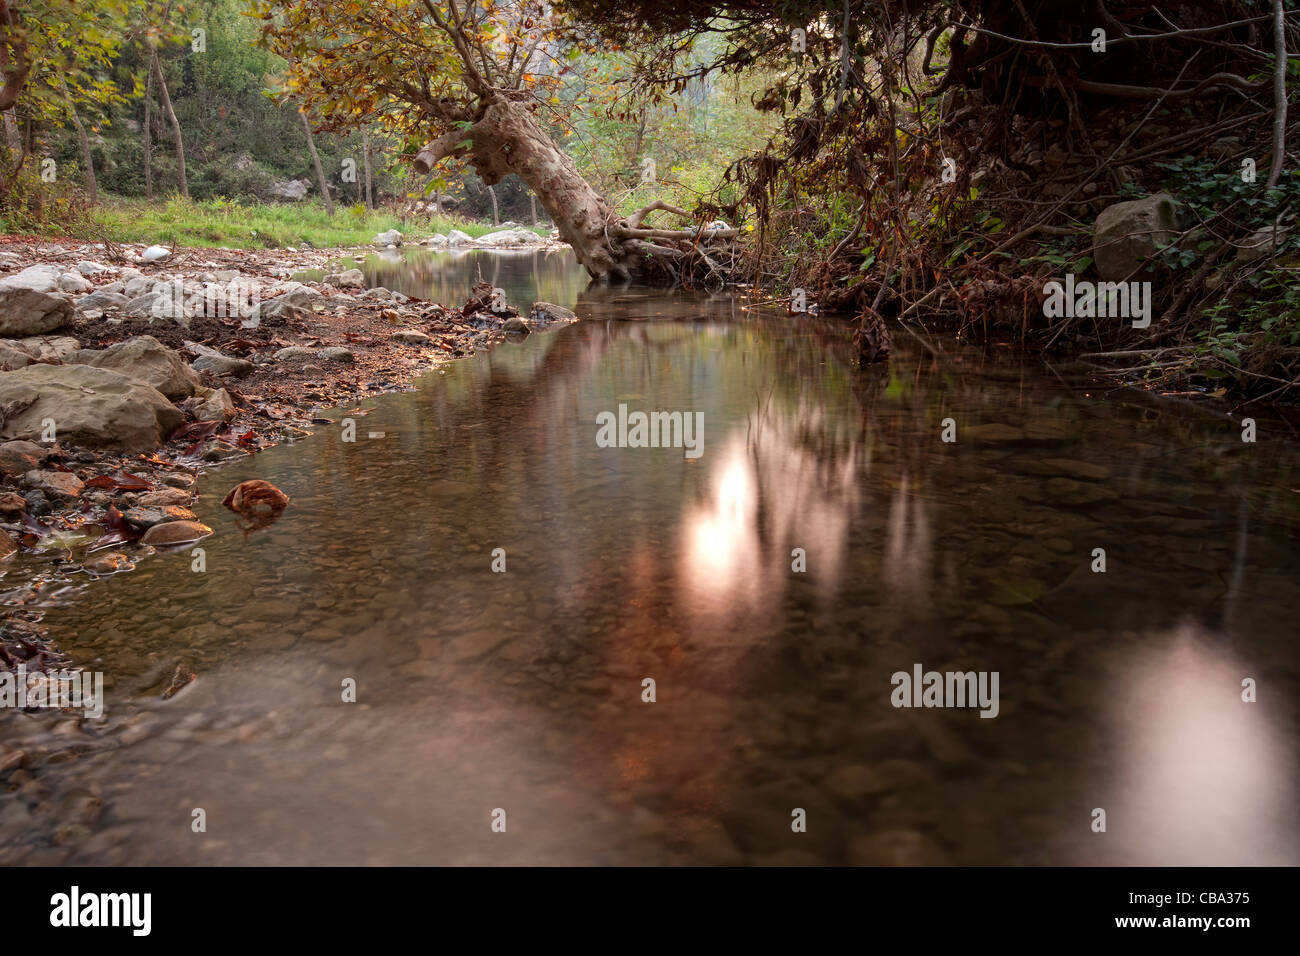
[
  {"x": 634, "y": 220},
  {"x": 1145, "y": 92},
  {"x": 448, "y": 144}
]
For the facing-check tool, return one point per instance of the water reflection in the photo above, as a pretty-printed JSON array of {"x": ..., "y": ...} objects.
[
  {"x": 1205, "y": 777},
  {"x": 524, "y": 690}
]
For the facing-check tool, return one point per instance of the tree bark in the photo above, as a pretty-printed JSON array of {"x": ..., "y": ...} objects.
[
  {"x": 1279, "y": 94},
  {"x": 87, "y": 160},
  {"x": 171, "y": 118},
  {"x": 506, "y": 139},
  {"x": 496, "y": 213},
  {"x": 12, "y": 136},
  {"x": 315, "y": 161},
  {"x": 365, "y": 161},
  {"x": 13, "y": 73},
  {"x": 146, "y": 134},
  {"x": 532, "y": 204}
]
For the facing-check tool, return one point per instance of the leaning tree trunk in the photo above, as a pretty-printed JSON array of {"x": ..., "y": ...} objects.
[
  {"x": 315, "y": 161},
  {"x": 506, "y": 139},
  {"x": 175, "y": 124},
  {"x": 496, "y": 212}
]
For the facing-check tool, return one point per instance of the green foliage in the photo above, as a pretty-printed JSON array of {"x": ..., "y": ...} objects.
[
  {"x": 1260, "y": 308},
  {"x": 225, "y": 221}
]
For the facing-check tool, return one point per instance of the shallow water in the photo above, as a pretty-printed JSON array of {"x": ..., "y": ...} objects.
[{"x": 522, "y": 691}]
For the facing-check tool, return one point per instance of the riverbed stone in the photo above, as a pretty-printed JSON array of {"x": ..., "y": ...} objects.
[
  {"x": 293, "y": 352},
  {"x": 25, "y": 311},
  {"x": 216, "y": 407},
  {"x": 74, "y": 282},
  {"x": 162, "y": 497},
  {"x": 37, "y": 278},
  {"x": 510, "y": 237},
  {"x": 146, "y": 516},
  {"x": 54, "y": 484},
  {"x": 1067, "y": 491},
  {"x": 210, "y": 360},
  {"x": 148, "y": 360},
  {"x": 92, "y": 406},
  {"x": 20, "y": 457},
  {"x": 411, "y": 337},
  {"x": 175, "y": 532},
  {"x": 347, "y": 279},
  {"x": 13, "y": 357},
  {"x": 547, "y": 313},
  {"x": 46, "y": 348},
  {"x": 102, "y": 299},
  {"x": 109, "y": 563},
  {"x": 1127, "y": 234}
]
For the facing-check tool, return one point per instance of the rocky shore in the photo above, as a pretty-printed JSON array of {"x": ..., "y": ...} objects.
[{"x": 126, "y": 372}]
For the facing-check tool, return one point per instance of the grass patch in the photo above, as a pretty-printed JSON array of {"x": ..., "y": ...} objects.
[{"x": 251, "y": 225}]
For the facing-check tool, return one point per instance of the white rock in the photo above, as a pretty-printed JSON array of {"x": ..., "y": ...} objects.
[
  {"x": 155, "y": 254},
  {"x": 42, "y": 278},
  {"x": 74, "y": 282}
]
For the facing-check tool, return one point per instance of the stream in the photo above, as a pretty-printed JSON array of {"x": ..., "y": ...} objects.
[{"x": 484, "y": 695}]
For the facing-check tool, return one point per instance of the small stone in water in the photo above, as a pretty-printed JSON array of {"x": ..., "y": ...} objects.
[
  {"x": 109, "y": 563},
  {"x": 175, "y": 532}
]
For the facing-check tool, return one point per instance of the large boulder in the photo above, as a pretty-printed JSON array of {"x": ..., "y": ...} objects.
[
  {"x": 29, "y": 312},
  {"x": 91, "y": 406},
  {"x": 1128, "y": 233},
  {"x": 511, "y": 237},
  {"x": 293, "y": 190},
  {"x": 390, "y": 238},
  {"x": 146, "y": 359},
  {"x": 457, "y": 238}
]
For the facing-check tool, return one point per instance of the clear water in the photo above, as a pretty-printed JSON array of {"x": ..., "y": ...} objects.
[{"x": 522, "y": 691}]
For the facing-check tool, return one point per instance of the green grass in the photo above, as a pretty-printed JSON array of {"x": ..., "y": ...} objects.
[{"x": 250, "y": 225}]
